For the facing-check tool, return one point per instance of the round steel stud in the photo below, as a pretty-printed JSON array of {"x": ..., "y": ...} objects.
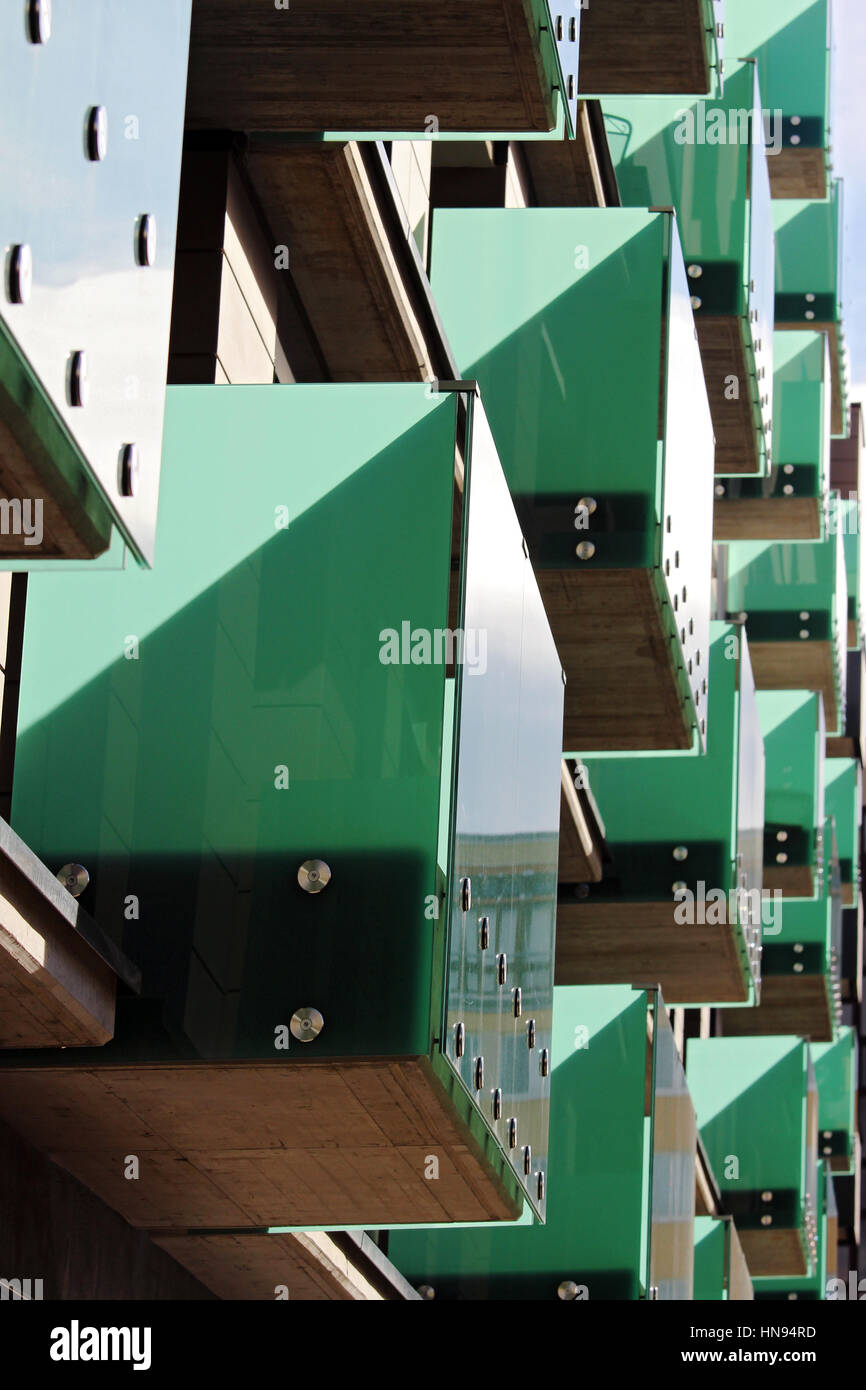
[
  {"x": 314, "y": 875},
  {"x": 306, "y": 1024},
  {"x": 74, "y": 878}
]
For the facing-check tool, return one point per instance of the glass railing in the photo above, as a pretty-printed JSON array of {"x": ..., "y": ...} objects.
[
  {"x": 250, "y": 748},
  {"x": 790, "y": 41},
  {"x": 793, "y": 730},
  {"x": 750, "y": 814},
  {"x": 686, "y": 515},
  {"x": 809, "y": 258},
  {"x": 801, "y": 414},
  {"x": 836, "y": 1074},
  {"x": 788, "y": 594},
  {"x": 750, "y": 1096},
  {"x": 505, "y": 818},
  {"x": 840, "y": 608},
  {"x": 596, "y": 1241},
  {"x": 593, "y": 488},
  {"x": 843, "y": 801},
  {"x": 708, "y": 161},
  {"x": 695, "y": 832},
  {"x": 760, "y": 275},
  {"x": 88, "y": 210}
]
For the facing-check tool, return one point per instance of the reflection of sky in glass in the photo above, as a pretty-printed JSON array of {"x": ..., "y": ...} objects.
[
  {"x": 762, "y": 262},
  {"x": 79, "y": 218},
  {"x": 849, "y": 160},
  {"x": 507, "y": 816},
  {"x": 688, "y": 484},
  {"x": 517, "y": 702}
]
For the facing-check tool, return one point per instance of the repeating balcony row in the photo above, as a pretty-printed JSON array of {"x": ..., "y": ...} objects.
[
  {"x": 311, "y": 766},
  {"x": 84, "y": 355},
  {"x": 305, "y": 775}
]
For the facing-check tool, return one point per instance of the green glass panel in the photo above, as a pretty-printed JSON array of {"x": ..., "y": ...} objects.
[
  {"x": 711, "y": 1259},
  {"x": 801, "y": 427},
  {"x": 710, "y": 804},
  {"x": 80, "y": 218},
  {"x": 245, "y": 661},
  {"x": 801, "y": 402},
  {"x": 792, "y": 723},
  {"x": 813, "y": 1285},
  {"x": 805, "y": 921},
  {"x": 809, "y": 275},
  {"x": 849, "y": 524},
  {"x": 708, "y": 162},
  {"x": 792, "y": 591},
  {"x": 781, "y": 576},
  {"x": 750, "y": 1099},
  {"x": 790, "y": 39},
  {"x": 805, "y": 938},
  {"x": 843, "y": 800},
  {"x": 808, "y": 254},
  {"x": 836, "y": 1075},
  {"x": 593, "y": 1233},
  {"x": 678, "y": 786},
  {"x": 559, "y": 131},
  {"x": 589, "y": 294},
  {"x": 279, "y": 689}
]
